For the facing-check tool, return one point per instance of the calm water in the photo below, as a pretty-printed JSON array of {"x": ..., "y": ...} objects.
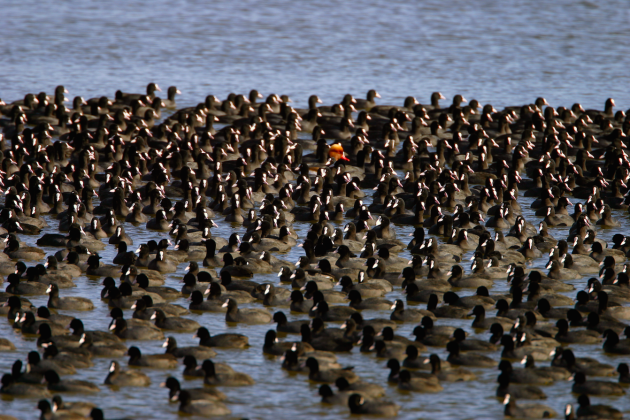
[{"x": 504, "y": 53}]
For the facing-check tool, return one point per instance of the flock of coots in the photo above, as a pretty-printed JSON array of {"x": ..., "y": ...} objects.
[{"x": 461, "y": 175}]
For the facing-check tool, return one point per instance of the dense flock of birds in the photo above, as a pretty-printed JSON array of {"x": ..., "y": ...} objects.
[{"x": 455, "y": 173}]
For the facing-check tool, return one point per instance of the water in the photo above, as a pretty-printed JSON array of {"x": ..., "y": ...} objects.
[{"x": 504, "y": 53}]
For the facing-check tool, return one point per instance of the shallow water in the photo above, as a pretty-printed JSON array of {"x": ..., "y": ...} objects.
[{"x": 504, "y": 53}]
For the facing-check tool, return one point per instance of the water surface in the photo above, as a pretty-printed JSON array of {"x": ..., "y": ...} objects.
[{"x": 504, "y": 53}]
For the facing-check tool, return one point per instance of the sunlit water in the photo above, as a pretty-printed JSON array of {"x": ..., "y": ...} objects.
[{"x": 504, "y": 53}]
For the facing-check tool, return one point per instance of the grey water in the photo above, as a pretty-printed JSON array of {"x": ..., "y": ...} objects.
[{"x": 503, "y": 53}]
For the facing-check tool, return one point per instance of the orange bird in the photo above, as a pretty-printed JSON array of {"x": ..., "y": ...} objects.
[{"x": 336, "y": 151}]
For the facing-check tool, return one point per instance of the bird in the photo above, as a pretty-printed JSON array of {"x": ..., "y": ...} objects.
[
  {"x": 358, "y": 405},
  {"x": 113, "y": 168},
  {"x": 71, "y": 303},
  {"x": 200, "y": 407},
  {"x": 587, "y": 410},
  {"x": 535, "y": 411},
  {"x": 162, "y": 361},
  {"x": 214, "y": 378},
  {"x": 583, "y": 386},
  {"x": 195, "y": 394},
  {"x": 123, "y": 378},
  {"x": 56, "y": 384},
  {"x": 248, "y": 316}
]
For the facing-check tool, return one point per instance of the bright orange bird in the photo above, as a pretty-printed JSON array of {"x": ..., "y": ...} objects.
[{"x": 336, "y": 151}]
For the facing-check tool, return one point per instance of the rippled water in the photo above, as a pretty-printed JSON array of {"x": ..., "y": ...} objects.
[{"x": 504, "y": 53}]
